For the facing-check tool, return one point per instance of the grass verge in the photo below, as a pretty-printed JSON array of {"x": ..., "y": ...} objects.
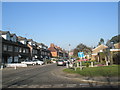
[{"x": 97, "y": 71}]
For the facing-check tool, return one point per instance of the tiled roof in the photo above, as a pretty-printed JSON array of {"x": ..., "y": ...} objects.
[
  {"x": 21, "y": 38},
  {"x": 100, "y": 47},
  {"x": 4, "y": 32},
  {"x": 29, "y": 40},
  {"x": 52, "y": 49},
  {"x": 12, "y": 34}
]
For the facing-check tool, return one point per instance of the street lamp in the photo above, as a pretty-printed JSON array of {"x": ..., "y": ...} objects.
[{"x": 69, "y": 51}]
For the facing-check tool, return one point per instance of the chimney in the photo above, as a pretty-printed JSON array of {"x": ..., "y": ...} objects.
[{"x": 52, "y": 45}]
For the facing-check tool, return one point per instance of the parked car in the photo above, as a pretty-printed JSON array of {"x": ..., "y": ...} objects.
[
  {"x": 38, "y": 62},
  {"x": 60, "y": 62},
  {"x": 29, "y": 62},
  {"x": 65, "y": 61}
]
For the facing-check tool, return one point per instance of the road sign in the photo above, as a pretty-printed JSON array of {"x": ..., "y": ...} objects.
[{"x": 81, "y": 54}]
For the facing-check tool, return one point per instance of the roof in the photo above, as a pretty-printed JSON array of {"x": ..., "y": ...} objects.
[
  {"x": 29, "y": 40},
  {"x": 21, "y": 38},
  {"x": 100, "y": 47},
  {"x": 52, "y": 49},
  {"x": 12, "y": 34},
  {"x": 117, "y": 45},
  {"x": 4, "y": 32},
  {"x": 42, "y": 44}
]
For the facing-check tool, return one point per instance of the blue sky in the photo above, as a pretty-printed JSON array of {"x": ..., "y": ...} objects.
[{"x": 62, "y": 23}]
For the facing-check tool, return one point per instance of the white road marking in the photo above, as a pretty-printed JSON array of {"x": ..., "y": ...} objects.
[
  {"x": 45, "y": 86},
  {"x": 57, "y": 85},
  {"x": 71, "y": 85}
]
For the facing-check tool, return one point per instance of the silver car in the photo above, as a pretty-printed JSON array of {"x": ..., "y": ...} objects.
[
  {"x": 38, "y": 62},
  {"x": 29, "y": 62},
  {"x": 60, "y": 63}
]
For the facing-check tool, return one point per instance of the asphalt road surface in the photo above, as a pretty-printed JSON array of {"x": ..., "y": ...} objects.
[{"x": 38, "y": 77}]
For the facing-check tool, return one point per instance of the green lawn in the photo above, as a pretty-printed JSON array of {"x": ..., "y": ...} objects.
[{"x": 97, "y": 71}]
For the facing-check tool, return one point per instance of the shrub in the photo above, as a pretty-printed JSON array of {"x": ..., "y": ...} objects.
[
  {"x": 87, "y": 64},
  {"x": 103, "y": 62}
]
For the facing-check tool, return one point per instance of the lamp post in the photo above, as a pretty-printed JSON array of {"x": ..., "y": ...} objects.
[{"x": 69, "y": 51}]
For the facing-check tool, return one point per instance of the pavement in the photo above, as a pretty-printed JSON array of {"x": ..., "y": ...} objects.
[{"x": 112, "y": 81}]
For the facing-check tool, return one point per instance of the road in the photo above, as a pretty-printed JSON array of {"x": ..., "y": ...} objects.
[{"x": 38, "y": 77}]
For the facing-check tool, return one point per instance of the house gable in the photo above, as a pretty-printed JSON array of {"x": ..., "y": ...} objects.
[
  {"x": 6, "y": 35},
  {"x": 13, "y": 38},
  {"x": 99, "y": 49}
]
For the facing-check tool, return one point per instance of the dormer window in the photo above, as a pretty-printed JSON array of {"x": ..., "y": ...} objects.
[
  {"x": 13, "y": 38},
  {"x": 30, "y": 43},
  {"x": 40, "y": 46},
  {"x": 5, "y": 35},
  {"x": 22, "y": 40}
]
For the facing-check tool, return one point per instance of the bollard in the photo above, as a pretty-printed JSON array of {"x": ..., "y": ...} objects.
[
  {"x": 15, "y": 68},
  {"x": 67, "y": 65},
  {"x": 91, "y": 64},
  {"x": 106, "y": 63},
  {"x": 1, "y": 67},
  {"x": 80, "y": 65},
  {"x": 77, "y": 64}
]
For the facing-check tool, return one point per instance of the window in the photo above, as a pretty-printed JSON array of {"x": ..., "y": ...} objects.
[
  {"x": 23, "y": 50},
  {"x": 5, "y": 47},
  {"x": 42, "y": 53},
  {"x": 16, "y": 49},
  {"x": 10, "y": 48},
  {"x": 20, "y": 49},
  {"x": 27, "y": 51},
  {"x": 35, "y": 51}
]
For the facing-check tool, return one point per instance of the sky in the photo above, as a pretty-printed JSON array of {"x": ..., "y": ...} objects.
[{"x": 61, "y": 23}]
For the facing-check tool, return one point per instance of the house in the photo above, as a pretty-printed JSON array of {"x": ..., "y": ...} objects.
[
  {"x": 44, "y": 53},
  {"x": 12, "y": 50},
  {"x": 115, "y": 54},
  {"x": 60, "y": 52},
  {"x": 13, "y": 37},
  {"x": 53, "y": 50},
  {"x": 5, "y": 35},
  {"x": 96, "y": 51},
  {"x": 65, "y": 54},
  {"x": 57, "y": 51},
  {"x": 33, "y": 49},
  {"x": 23, "y": 40},
  {"x": 117, "y": 45}
]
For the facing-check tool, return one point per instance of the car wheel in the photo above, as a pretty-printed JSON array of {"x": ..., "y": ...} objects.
[{"x": 33, "y": 64}]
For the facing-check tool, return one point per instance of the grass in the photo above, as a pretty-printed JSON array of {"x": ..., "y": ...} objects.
[{"x": 96, "y": 71}]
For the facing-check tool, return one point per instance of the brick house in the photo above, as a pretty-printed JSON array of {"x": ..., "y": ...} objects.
[
  {"x": 57, "y": 51},
  {"x": 53, "y": 50}
]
